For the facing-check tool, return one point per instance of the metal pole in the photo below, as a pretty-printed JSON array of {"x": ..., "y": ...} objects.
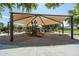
[
  {"x": 8, "y": 28},
  {"x": 11, "y": 27},
  {"x": 71, "y": 27},
  {"x": 62, "y": 28}
]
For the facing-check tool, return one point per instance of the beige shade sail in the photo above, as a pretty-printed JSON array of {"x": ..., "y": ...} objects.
[{"x": 41, "y": 19}]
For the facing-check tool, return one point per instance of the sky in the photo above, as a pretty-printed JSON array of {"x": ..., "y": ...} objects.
[{"x": 62, "y": 10}]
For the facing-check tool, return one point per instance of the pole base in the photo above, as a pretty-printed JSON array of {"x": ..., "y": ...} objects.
[{"x": 11, "y": 40}]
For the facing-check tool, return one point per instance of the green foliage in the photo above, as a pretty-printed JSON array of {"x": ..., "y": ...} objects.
[
  {"x": 53, "y": 5},
  {"x": 53, "y": 27},
  {"x": 8, "y": 5},
  {"x": 72, "y": 12},
  {"x": 78, "y": 27},
  {"x": 69, "y": 31},
  {"x": 4, "y": 29},
  {"x": 34, "y": 29},
  {"x": 1, "y": 9},
  {"x": 27, "y": 6},
  {"x": 1, "y": 24},
  {"x": 75, "y": 13},
  {"x": 19, "y": 28}
]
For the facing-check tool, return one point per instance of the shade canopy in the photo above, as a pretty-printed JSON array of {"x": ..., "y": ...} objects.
[{"x": 40, "y": 19}]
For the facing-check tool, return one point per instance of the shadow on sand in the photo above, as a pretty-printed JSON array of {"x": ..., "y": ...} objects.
[{"x": 25, "y": 40}]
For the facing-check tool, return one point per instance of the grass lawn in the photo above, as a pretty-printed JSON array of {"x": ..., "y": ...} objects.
[{"x": 69, "y": 31}]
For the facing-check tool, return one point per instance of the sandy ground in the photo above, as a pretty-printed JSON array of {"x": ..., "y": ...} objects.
[{"x": 49, "y": 45}]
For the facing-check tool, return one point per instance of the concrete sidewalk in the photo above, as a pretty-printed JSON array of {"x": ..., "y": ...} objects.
[{"x": 58, "y": 50}]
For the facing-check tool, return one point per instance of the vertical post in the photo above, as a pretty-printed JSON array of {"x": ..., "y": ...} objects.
[
  {"x": 8, "y": 28},
  {"x": 49, "y": 28},
  {"x": 71, "y": 27},
  {"x": 11, "y": 27},
  {"x": 62, "y": 28}
]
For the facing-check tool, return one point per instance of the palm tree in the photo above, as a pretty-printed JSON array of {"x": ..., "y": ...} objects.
[
  {"x": 52, "y": 5},
  {"x": 75, "y": 13},
  {"x": 25, "y": 6},
  {"x": 6, "y": 5}
]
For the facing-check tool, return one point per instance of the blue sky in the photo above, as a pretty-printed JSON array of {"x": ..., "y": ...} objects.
[{"x": 62, "y": 10}]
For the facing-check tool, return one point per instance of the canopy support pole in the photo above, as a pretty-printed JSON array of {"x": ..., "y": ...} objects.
[
  {"x": 11, "y": 27},
  {"x": 62, "y": 28},
  {"x": 8, "y": 25},
  {"x": 71, "y": 27}
]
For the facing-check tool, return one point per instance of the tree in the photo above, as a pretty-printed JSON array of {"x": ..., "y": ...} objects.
[
  {"x": 75, "y": 13},
  {"x": 25, "y": 6},
  {"x": 6, "y": 5},
  {"x": 19, "y": 28},
  {"x": 1, "y": 26},
  {"x": 4, "y": 29},
  {"x": 52, "y": 5}
]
